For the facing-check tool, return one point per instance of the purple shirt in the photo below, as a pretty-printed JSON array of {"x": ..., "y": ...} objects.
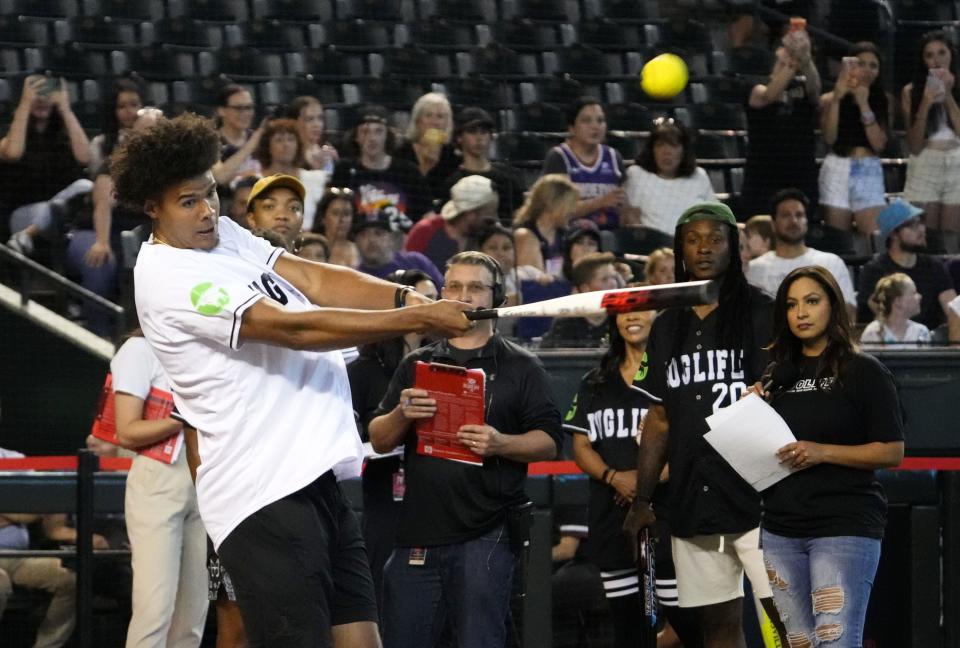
[{"x": 405, "y": 261}]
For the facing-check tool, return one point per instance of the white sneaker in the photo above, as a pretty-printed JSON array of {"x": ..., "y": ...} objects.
[{"x": 21, "y": 242}]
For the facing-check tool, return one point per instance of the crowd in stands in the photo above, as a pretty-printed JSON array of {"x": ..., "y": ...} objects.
[
  {"x": 397, "y": 203},
  {"x": 381, "y": 199}
]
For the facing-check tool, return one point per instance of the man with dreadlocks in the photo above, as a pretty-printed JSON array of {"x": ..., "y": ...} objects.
[{"x": 703, "y": 358}]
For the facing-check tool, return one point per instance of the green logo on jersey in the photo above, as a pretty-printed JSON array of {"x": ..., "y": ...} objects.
[
  {"x": 573, "y": 409},
  {"x": 207, "y": 299},
  {"x": 641, "y": 370}
]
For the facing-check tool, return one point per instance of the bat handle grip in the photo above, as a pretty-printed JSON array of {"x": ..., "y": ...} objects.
[{"x": 482, "y": 314}]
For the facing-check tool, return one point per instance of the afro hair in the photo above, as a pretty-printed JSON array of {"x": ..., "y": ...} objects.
[{"x": 171, "y": 151}]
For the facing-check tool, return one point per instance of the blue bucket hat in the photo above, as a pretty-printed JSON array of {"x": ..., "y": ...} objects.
[{"x": 897, "y": 214}]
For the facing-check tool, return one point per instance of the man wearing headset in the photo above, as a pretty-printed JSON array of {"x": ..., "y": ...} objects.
[{"x": 454, "y": 559}]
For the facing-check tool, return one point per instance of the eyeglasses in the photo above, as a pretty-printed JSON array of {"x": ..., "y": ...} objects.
[
  {"x": 340, "y": 191},
  {"x": 244, "y": 108},
  {"x": 473, "y": 288}
]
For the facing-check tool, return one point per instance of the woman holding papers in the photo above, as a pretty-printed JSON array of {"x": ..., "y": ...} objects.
[
  {"x": 604, "y": 420},
  {"x": 822, "y": 525},
  {"x": 167, "y": 540}
]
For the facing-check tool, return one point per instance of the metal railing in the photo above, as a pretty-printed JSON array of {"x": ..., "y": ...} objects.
[{"x": 29, "y": 270}]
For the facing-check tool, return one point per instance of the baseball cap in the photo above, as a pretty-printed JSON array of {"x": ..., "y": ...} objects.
[
  {"x": 580, "y": 227},
  {"x": 714, "y": 211},
  {"x": 471, "y": 192},
  {"x": 473, "y": 117},
  {"x": 274, "y": 181},
  {"x": 895, "y": 215},
  {"x": 391, "y": 220}
]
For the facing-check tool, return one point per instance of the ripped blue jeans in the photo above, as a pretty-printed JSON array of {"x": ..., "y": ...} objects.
[{"x": 821, "y": 587}]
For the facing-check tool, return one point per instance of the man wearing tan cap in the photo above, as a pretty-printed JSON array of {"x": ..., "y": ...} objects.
[
  {"x": 275, "y": 204},
  {"x": 473, "y": 202}
]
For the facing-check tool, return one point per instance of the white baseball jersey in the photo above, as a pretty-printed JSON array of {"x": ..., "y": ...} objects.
[{"x": 270, "y": 420}]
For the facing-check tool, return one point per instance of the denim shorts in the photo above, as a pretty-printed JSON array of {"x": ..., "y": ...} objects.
[
  {"x": 851, "y": 183},
  {"x": 821, "y": 586}
]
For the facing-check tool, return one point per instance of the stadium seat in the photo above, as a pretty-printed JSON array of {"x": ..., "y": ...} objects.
[
  {"x": 89, "y": 114},
  {"x": 471, "y": 11},
  {"x": 629, "y": 91},
  {"x": 441, "y": 35},
  {"x": 156, "y": 62},
  {"x": 713, "y": 116},
  {"x": 628, "y": 147},
  {"x": 222, "y": 11},
  {"x": 203, "y": 91},
  {"x": 522, "y": 34},
  {"x": 631, "y": 117},
  {"x": 625, "y": 11},
  {"x": 328, "y": 64},
  {"x": 559, "y": 89},
  {"x": 584, "y": 62},
  {"x": 318, "y": 11},
  {"x": 557, "y": 11},
  {"x": 496, "y": 61},
  {"x": 125, "y": 10},
  {"x": 609, "y": 35},
  {"x": 241, "y": 63},
  {"x": 70, "y": 61},
  {"x": 716, "y": 146},
  {"x": 478, "y": 91},
  {"x": 537, "y": 118},
  {"x": 17, "y": 31},
  {"x": 522, "y": 148},
  {"x": 412, "y": 62},
  {"x": 688, "y": 34},
  {"x": 47, "y": 9},
  {"x": 721, "y": 89},
  {"x": 183, "y": 34},
  {"x": 389, "y": 10},
  {"x": 282, "y": 91},
  {"x": 359, "y": 35},
  {"x": 750, "y": 61},
  {"x": 389, "y": 92},
  {"x": 95, "y": 32},
  {"x": 267, "y": 34}
]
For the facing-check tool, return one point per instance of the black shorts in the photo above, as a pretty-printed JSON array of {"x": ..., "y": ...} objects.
[
  {"x": 299, "y": 566},
  {"x": 219, "y": 584}
]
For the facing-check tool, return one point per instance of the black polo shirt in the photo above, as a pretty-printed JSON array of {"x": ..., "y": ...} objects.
[
  {"x": 448, "y": 502},
  {"x": 692, "y": 381}
]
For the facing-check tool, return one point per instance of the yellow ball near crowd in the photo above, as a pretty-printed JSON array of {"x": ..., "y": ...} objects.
[{"x": 664, "y": 76}]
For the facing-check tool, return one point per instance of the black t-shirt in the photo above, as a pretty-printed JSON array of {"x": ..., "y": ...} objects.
[
  {"x": 448, "y": 502},
  {"x": 609, "y": 414},
  {"x": 851, "y": 132},
  {"x": 774, "y": 129},
  {"x": 437, "y": 176},
  {"x": 507, "y": 183},
  {"x": 707, "y": 495},
  {"x": 831, "y": 500},
  {"x": 929, "y": 274},
  {"x": 400, "y": 186},
  {"x": 369, "y": 377},
  {"x": 46, "y": 167},
  {"x": 574, "y": 332}
]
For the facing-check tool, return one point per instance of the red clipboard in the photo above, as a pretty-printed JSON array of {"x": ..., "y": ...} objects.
[
  {"x": 459, "y": 393},
  {"x": 158, "y": 405}
]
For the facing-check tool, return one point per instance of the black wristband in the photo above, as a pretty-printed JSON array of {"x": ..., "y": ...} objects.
[
  {"x": 400, "y": 296},
  {"x": 603, "y": 477}
]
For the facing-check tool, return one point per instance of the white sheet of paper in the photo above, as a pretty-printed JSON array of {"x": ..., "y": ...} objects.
[{"x": 747, "y": 435}]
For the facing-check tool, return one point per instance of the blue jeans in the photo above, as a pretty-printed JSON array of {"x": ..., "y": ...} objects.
[
  {"x": 821, "y": 586},
  {"x": 467, "y": 583},
  {"x": 102, "y": 280}
]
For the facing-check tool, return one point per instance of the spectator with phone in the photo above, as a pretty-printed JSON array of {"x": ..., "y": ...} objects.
[
  {"x": 781, "y": 117},
  {"x": 855, "y": 121},
  {"x": 317, "y": 153},
  {"x": 931, "y": 104},
  {"x": 42, "y": 158},
  {"x": 238, "y": 141}
]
